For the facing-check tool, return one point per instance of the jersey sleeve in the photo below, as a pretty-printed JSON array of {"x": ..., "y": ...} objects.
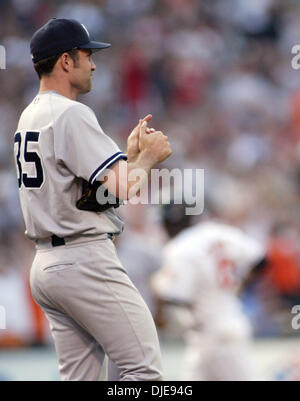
[
  {"x": 177, "y": 281},
  {"x": 245, "y": 251},
  {"x": 81, "y": 144},
  {"x": 251, "y": 251}
]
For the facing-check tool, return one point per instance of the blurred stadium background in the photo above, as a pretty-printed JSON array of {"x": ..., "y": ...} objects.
[{"x": 217, "y": 77}]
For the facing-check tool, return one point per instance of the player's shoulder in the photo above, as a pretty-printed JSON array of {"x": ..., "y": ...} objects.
[
  {"x": 181, "y": 244},
  {"x": 228, "y": 234},
  {"x": 206, "y": 232},
  {"x": 217, "y": 228},
  {"x": 71, "y": 113},
  {"x": 56, "y": 106},
  {"x": 72, "y": 108}
]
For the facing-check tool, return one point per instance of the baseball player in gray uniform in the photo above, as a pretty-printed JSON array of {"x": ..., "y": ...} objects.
[{"x": 62, "y": 157}]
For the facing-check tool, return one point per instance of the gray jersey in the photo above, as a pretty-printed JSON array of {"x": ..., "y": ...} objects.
[{"x": 58, "y": 143}]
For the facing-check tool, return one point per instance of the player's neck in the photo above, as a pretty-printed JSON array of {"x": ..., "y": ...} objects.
[{"x": 64, "y": 89}]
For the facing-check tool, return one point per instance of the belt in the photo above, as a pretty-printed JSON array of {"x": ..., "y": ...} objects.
[{"x": 55, "y": 241}]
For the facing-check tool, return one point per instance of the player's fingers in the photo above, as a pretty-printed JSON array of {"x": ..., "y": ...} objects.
[
  {"x": 143, "y": 128},
  {"x": 150, "y": 130},
  {"x": 147, "y": 118},
  {"x": 138, "y": 125},
  {"x": 135, "y": 132}
]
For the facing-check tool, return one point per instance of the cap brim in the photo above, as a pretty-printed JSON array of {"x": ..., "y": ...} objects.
[{"x": 95, "y": 46}]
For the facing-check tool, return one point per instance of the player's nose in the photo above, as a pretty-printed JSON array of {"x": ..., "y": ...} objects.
[{"x": 93, "y": 67}]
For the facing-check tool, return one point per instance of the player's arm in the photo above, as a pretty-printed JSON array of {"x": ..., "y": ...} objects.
[
  {"x": 166, "y": 307},
  {"x": 174, "y": 286},
  {"x": 258, "y": 268},
  {"x": 125, "y": 179}
]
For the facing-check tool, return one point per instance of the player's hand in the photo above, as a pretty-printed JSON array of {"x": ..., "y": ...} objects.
[
  {"x": 155, "y": 143},
  {"x": 133, "y": 139}
]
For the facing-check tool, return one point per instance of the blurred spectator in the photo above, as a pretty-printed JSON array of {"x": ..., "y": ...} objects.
[
  {"x": 25, "y": 322},
  {"x": 284, "y": 263}
]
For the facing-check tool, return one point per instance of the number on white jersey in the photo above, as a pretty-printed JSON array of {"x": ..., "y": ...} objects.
[{"x": 29, "y": 157}]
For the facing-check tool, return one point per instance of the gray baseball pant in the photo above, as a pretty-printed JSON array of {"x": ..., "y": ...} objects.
[{"x": 94, "y": 309}]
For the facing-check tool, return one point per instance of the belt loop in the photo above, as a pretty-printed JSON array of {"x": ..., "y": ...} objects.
[{"x": 56, "y": 241}]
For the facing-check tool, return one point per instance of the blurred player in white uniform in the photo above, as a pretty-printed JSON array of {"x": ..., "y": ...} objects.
[{"x": 204, "y": 267}]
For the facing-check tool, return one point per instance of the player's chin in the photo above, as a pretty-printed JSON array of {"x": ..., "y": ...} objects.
[{"x": 87, "y": 87}]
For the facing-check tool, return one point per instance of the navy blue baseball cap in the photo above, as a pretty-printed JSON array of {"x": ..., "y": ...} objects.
[{"x": 60, "y": 35}]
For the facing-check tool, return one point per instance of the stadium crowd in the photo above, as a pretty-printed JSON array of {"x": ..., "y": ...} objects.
[{"x": 218, "y": 79}]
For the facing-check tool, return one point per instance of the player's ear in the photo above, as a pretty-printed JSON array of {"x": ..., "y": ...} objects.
[{"x": 66, "y": 62}]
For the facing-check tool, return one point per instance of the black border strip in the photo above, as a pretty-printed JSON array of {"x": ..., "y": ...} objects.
[{"x": 108, "y": 162}]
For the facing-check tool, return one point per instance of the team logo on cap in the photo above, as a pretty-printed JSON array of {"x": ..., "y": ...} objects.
[
  {"x": 86, "y": 30},
  {"x": 2, "y": 318},
  {"x": 2, "y": 58}
]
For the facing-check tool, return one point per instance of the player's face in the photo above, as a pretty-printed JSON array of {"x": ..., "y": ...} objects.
[{"x": 82, "y": 72}]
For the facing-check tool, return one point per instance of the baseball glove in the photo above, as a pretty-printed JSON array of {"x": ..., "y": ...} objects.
[{"x": 89, "y": 202}]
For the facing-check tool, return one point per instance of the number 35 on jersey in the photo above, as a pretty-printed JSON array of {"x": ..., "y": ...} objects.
[{"x": 28, "y": 161}]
